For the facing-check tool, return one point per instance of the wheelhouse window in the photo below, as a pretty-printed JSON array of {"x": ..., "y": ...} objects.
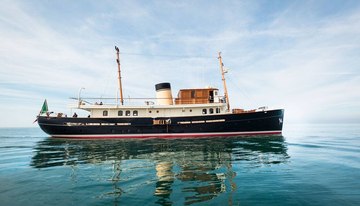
[
  {"x": 192, "y": 93},
  {"x": 204, "y": 111},
  {"x": 105, "y": 113},
  {"x": 211, "y": 111},
  {"x": 127, "y": 113},
  {"x": 120, "y": 113},
  {"x": 135, "y": 113}
]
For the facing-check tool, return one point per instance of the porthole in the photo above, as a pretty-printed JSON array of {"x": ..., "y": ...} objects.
[
  {"x": 120, "y": 113},
  {"x": 211, "y": 111},
  {"x": 204, "y": 111},
  {"x": 105, "y": 113},
  {"x": 127, "y": 113}
]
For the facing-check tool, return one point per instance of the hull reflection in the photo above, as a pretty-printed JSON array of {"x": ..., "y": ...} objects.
[{"x": 199, "y": 170}]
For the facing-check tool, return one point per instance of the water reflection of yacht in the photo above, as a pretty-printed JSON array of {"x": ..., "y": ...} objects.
[{"x": 199, "y": 169}]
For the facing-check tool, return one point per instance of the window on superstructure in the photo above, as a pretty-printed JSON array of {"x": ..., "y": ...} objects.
[
  {"x": 105, "y": 113},
  {"x": 211, "y": 111},
  {"x": 192, "y": 93},
  {"x": 120, "y": 113},
  {"x": 127, "y": 113},
  {"x": 204, "y": 111},
  {"x": 217, "y": 110},
  {"x": 135, "y": 113}
]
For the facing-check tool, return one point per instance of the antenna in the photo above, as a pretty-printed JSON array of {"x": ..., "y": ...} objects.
[
  {"x": 224, "y": 81},
  {"x": 119, "y": 74}
]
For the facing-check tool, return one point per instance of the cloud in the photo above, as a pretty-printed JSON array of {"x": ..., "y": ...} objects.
[
  {"x": 300, "y": 56},
  {"x": 307, "y": 67}
]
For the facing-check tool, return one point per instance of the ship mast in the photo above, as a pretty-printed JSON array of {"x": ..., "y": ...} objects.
[
  {"x": 119, "y": 74},
  {"x": 224, "y": 81}
]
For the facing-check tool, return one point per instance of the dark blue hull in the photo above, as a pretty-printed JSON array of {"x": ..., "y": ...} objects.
[{"x": 256, "y": 123}]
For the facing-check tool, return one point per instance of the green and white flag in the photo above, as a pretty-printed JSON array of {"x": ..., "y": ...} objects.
[{"x": 44, "y": 108}]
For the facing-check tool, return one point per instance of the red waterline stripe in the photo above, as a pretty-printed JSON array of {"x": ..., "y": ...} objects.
[{"x": 161, "y": 135}]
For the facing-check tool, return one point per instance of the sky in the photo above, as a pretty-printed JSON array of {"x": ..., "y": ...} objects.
[{"x": 302, "y": 56}]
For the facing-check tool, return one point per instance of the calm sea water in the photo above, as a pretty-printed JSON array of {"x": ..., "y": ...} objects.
[{"x": 309, "y": 165}]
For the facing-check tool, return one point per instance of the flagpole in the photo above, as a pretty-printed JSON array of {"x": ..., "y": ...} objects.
[
  {"x": 79, "y": 102},
  {"x": 44, "y": 109}
]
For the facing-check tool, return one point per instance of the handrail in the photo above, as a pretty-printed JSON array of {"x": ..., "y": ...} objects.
[{"x": 146, "y": 101}]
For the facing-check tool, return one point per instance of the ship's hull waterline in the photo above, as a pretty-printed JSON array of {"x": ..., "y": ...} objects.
[{"x": 244, "y": 124}]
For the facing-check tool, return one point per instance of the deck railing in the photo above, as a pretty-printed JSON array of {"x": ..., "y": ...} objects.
[{"x": 130, "y": 101}]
